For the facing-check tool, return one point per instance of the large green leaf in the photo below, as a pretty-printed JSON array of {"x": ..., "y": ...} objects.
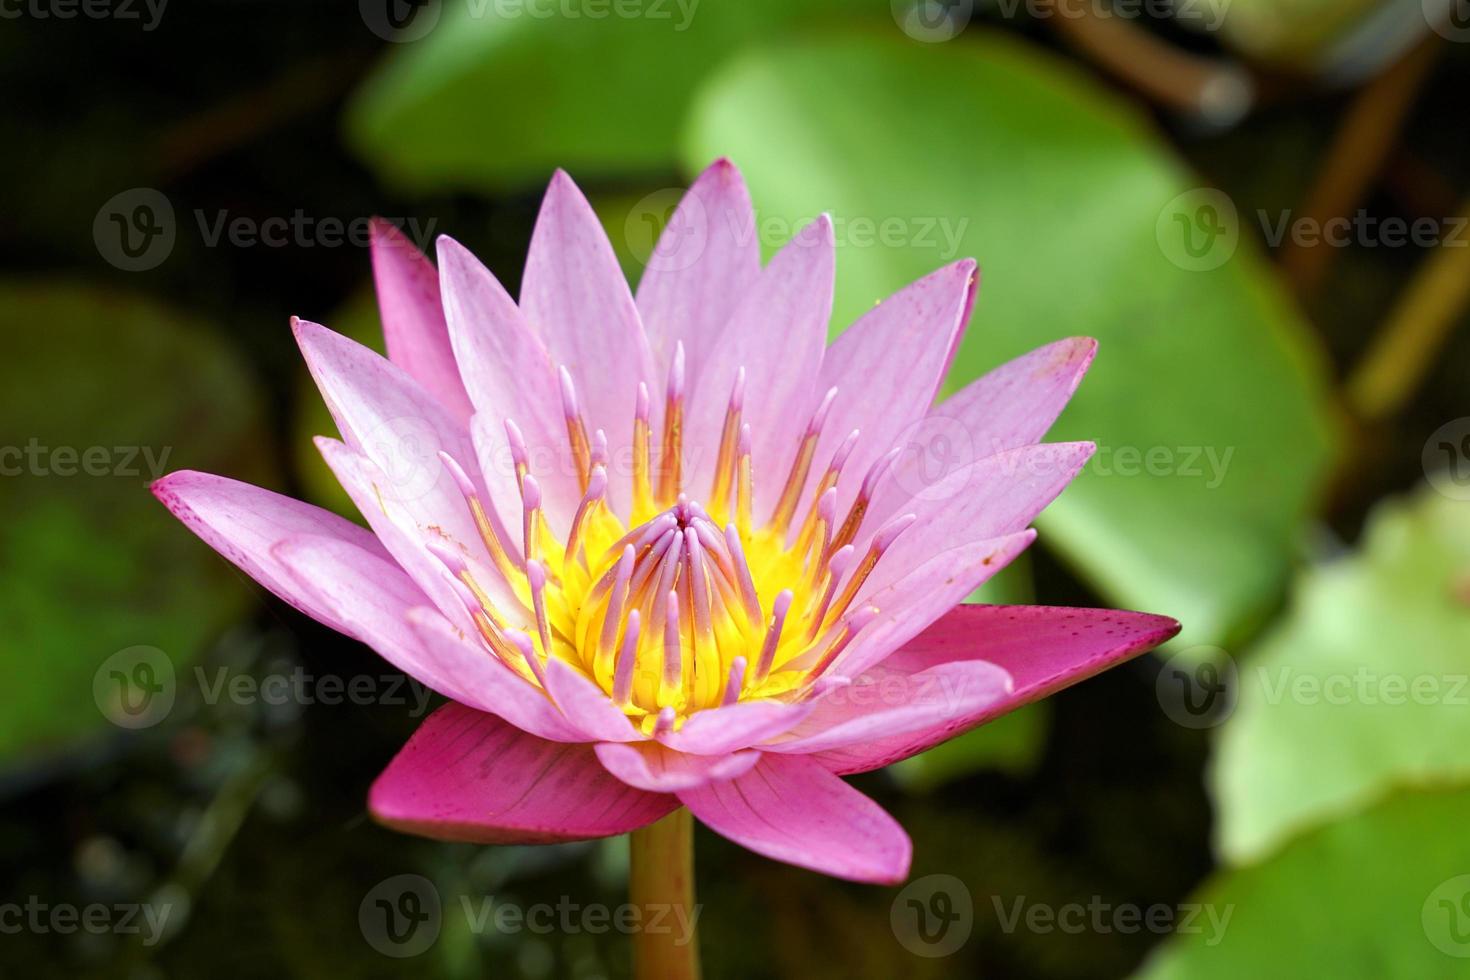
[
  {"x": 1364, "y": 686},
  {"x": 1383, "y": 894},
  {"x": 496, "y": 95},
  {"x": 984, "y": 147},
  {"x": 101, "y": 393}
]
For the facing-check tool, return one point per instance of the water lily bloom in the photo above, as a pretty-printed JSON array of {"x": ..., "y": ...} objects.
[{"x": 672, "y": 549}]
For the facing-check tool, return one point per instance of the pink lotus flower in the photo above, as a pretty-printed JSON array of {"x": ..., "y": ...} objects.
[{"x": 673, "y": 549}]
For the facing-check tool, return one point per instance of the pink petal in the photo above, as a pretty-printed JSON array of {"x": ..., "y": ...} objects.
[
  {"x": 1043, "y": 649},
  {"x": 778, "y": 334},
  {"x": 706, "y": 260},
  {"x": 413, "y": 321},
  {"x": 791, "y": 809},
  {"x": 887, "y": 703},
  {"x": 908, "y": 606},
  {"x": 575, "y": 295},
  {"x": 490, "y": 685},
  {"x": 509, "y": 375},
  {"x": 244, "y": 522},
  {"x": 1011, "y": 406},
  {"x": 469, "y": 776},
  {"x": 586, "y": 707},
  {"x": 991, "y": 498},
  {"x": 717, "y": 731},
  {"x": 887, "y": 368},
  {"x": 651, "y": 766}
]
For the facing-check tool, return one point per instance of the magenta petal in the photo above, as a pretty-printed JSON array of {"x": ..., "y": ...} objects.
[
  {"x": 469, "y": 776},
  {"x": 1044, "y": 649},
  {"x": 908, "y": 606},
  {"x": 716, "y": 731},
  {"x": 705, "y": 261},
  {"x": 413, "y": 321},
  {"x": 887, "y": 703},
  {"x": 244, "y": 523},
  {"x": 887, "y": 368},
  {"x": 509, "y": 375},
  {"x": 791, "y": 809},
  {"x": 575, "y": 295},
  {"x": 490, "y": 685},
  {"x": 777, "y": 334},
  {"x": 651, "y": 766},
  {"x": 587, "y": 707}
]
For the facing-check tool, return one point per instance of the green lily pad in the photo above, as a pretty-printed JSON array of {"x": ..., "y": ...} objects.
[
  {"x": 1207, "y": 399},
  {"x": 1382, "y": 894},
  {"x": 496, "y": 95},
  {"x": 102, "y": 393},
  {"x": 1364, "y": 686}
]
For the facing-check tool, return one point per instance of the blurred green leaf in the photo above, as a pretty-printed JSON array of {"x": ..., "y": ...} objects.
[
  {"x": 100, "y": 394},
  {"x": 498, "y": 95},
  {"x": 1383, "y": 894},
  {"x": 1361, "y": 688},
  {"x": 1207, "y": 399}
]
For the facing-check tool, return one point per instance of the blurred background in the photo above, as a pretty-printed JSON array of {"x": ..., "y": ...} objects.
[{"x": 1258, "y": 207}]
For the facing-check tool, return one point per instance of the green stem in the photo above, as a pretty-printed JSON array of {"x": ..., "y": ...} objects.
[{"x": 661, "y": 887}]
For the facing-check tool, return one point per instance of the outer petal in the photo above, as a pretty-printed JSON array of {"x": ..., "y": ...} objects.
[
  {"x": 413, "y": 321},
  {"x": 908, "y": 606},
  {"x": 469, "y": 776},
  {"x": 490, "y": 685},
  {"x": 791, "y": 809},
  {"x": 651, "y": 766},
  {"x": 886, "y": 703},
  {"x": 509, "y": 375},
  {"x": 1044, "y": 650},
  {"x": 574, "y": 293},
  {"x": 1012, "y": 406},
  {"x": 244, "y": 523},
  {"x": 717, "y": 731},
  {"x": 778, "y": 334},
  {"x": 705, "y": 261},
  {"x": 887, "y": 368},
  {"x": 990, "y": 498}
]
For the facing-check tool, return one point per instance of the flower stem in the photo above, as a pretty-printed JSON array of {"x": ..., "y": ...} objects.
[{"x": 661, "y": 887}]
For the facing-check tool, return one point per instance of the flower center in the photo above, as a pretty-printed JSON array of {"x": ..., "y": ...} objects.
[{"x": 696, "y": 606}]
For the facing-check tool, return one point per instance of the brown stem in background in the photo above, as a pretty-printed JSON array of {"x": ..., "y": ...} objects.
[
  {"x": 1359, "y": 152},
  {"x": 1219, "y": 91},
  {"x": 1416, "y": 329}
]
